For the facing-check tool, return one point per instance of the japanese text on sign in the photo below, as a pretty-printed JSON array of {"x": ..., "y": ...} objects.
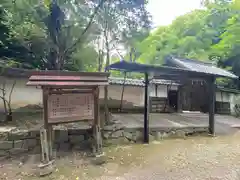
[{"x": 70, "y": 107}]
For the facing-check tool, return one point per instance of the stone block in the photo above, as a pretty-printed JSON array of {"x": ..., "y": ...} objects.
[
  {"x": 18, "y": 135},
  {"x": 158, "y": 136},
  {"x": 106, "y": 134},
  {"x": 64, "y": 146},
  {"x": 139, "y": 135},
  {"x": 75, "y": 139},
  {"x": 151, "y": 138},
  {"x": 82, "y": 146},
  {"x": 128, "y": 135},
  {"x": 31, "y": 143},
  {"x": 16, "y": 151},
  {"x": 33, "y": 134},
  {"x": 113, "y": 127},
  {"x": 108, "y": 128},
  {"x": 3, "y": 136},
  {"x": 120, "y": 140},
  {"x": 73, "y": 131},
  {"x": 117, "y": 134},
  {"x": 18, "y": 144},
  {"x": 61, "y": 136},
  {"x": 4, "y": 153},
  {"x": 36, "y": 150},
  {"x": 180, "y": 133},
  {"x": 6, "y": 145},
  {"x": 165, "y": 135}
]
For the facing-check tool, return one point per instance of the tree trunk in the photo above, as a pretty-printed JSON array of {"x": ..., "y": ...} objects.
[{"x": 4, "y": 97}]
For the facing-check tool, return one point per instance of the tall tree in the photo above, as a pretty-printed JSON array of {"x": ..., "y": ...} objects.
[{"x": 57, "y": 33}]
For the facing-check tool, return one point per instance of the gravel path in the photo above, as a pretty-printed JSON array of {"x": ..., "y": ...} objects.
[
  {"x": 192, "y": 159},
  {"x": 195, "y": 158}
]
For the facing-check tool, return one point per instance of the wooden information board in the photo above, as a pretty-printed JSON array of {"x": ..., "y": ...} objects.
[{"x": 70, "y": 107}]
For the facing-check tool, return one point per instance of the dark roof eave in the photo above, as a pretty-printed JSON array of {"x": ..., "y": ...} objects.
[
  {"x": 145, "y": 68},
  {"x": 179, "y": 62}
]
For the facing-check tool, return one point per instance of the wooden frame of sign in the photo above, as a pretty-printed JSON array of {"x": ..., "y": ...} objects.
[{"x": 69, "y": 97}]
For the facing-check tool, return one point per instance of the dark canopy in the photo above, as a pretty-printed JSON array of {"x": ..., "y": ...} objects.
[{"x": 163, "y": 70}]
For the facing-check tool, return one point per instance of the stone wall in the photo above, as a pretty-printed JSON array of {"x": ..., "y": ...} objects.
[
  {"x": 114, "y": 135},
  {"x": 19, "y": 141}
]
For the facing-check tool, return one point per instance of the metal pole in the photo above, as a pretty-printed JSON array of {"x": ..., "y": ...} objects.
[
  {"x": 212, "y": 98},
  {"x": 146, "y": 111}
]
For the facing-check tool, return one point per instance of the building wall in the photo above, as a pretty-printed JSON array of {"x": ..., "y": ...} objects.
[
  {"x": 234, "y": 99},
  {"x": 162, "y": 90},
  {"x": 23, "y": 95},
  {"x": 223, "y": 96},
  {"x": 132, "y": 94}
]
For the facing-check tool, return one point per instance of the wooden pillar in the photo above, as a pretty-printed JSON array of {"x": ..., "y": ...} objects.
[
  {"x": 146, "y": 110},
  {"x": 212, "y": 97},
  {"x": 96, "y": 125},
  {"x": 179, "y": 100},
  {"x": 45, "y": 107},
  {"x": 156, "y": 90},
  {"x": 46, "y": 140}
]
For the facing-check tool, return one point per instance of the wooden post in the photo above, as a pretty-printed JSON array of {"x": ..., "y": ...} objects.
[
  {"x": 212, "y": 97},
  {"x": 45, "y": 141},
  {"x": 106, "y": 106},
  {"x": 97, "y": 129},
  {"x": 156, "y": 90},
  {"x": 146, "y": 110},
  {"x": 45, "y": 107},
  {"x": 179, "y": 100}
]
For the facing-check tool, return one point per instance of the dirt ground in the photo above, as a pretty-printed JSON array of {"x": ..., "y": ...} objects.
[{"x": 200, "y": 158}]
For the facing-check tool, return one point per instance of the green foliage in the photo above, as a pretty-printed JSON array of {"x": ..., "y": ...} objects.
[
  {"x": 61, "y": 34},
  {"x": 208, "y": 34}
]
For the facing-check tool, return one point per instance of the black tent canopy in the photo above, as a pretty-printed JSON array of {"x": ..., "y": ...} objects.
[{"x": 205, "y": 71}]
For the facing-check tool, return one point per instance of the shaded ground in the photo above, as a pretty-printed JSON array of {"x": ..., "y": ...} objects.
[
  {"x": 224, "y": 124},
  {"x": 35, "y": 120},
  {"x": 194, "y": 158}
]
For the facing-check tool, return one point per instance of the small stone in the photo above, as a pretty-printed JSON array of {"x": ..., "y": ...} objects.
[
  {"x": 99, "y": 160},
  {"x": 46, "y": 169},
  {"x": 164, "y": 135},
  {"x": 6, "y": 145},
  {"x": 180, "y": 133}
]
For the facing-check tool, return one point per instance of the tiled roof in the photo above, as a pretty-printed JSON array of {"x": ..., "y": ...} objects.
[
  {"x": 199, "y": 66},
  {"x": 138, "y": 82}
]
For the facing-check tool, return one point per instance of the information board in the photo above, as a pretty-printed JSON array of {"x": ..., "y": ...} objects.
[{"x": 70, "y": 107}]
